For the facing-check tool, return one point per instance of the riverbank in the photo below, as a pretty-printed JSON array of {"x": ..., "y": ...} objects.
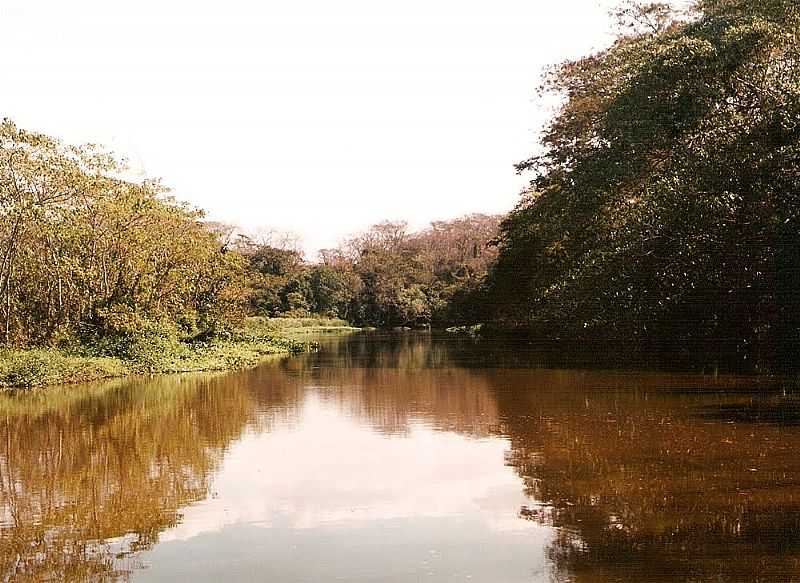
[
  {"x": 306, "y": 325},
  {"x": 242, "y": 348}
]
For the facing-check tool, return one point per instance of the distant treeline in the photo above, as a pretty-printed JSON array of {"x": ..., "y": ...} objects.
[
  {"x": 386, "y": 276},
  {"x": 665, "y": 200}
]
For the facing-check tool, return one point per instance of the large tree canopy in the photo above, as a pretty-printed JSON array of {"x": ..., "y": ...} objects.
[
  {"x": 82, "y": 248},
  {"x": 665, "y": 196}
]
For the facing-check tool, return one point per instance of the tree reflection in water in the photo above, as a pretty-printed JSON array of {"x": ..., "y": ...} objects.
[
  {"x": 645, "y": 476},
  {"x": 93, "y": 474},
  {"x": 641, "y": 476},
  {"x": 644, "y": 486}
]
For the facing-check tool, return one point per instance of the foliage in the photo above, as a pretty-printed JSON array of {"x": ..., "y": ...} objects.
[
  {"x": 423, "y": 278},
  {"x": 117, "y": 275},
  {"x": 77, "y": 243},
  {"x": 150, "y": 348},
  {"x": 385, "y": 276},
  {"x": 665, "y": 199},
  {"x": 332, "y": 290}
]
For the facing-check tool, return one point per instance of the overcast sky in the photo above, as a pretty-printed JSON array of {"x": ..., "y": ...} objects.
[{"x": 315, "y": 116}]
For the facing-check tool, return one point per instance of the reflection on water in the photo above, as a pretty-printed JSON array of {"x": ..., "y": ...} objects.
[
  {"x": 403, "y": 458},
  {"x": 82, "y": 466}
]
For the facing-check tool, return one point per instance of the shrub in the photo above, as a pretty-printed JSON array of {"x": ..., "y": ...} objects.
[{"x": 125, "y": 334}]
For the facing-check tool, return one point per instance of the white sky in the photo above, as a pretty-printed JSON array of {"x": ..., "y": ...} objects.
[{"x": 315, "y": 116}]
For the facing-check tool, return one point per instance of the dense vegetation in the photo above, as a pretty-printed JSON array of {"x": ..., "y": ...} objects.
[
  {"x": 86, "y": 253},
  {"x": 102, "y": 276},
  {"x": 664, "y": 200},
  {"x": 106, "y": 276},
  {"x": 386, "y": 276},
  {"x": 663, "y": 205}
]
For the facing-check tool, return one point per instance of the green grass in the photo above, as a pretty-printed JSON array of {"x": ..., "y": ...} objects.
[
  {"x": 308, "y": 325},
  {"x": 310, "y": 322},
  {"x": 242, "y": 348},
  {"x": 47, "y": 366}
]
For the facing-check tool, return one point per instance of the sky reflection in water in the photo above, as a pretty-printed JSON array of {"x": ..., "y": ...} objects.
[{"x": 403, "y": 458}]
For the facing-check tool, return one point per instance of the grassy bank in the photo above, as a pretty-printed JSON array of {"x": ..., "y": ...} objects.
[
  {"x": 314, "y": 324},
  {"x": 149, "y": 354}
]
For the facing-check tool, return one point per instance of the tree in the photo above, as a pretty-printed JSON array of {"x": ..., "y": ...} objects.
[
  {"x": 78, "y": 243},
  {"x": 665, "y": 199},
  {"x": 332, "y": 290},
  {"x": 411, "y": 279}
]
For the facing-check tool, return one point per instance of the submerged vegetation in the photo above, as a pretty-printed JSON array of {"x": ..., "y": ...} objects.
[{"x": 47, "y": 366}]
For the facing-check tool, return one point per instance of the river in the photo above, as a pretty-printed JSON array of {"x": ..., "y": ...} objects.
[{"x": 404, "y": 457}]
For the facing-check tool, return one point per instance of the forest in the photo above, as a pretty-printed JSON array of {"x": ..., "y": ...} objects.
[
  {"x": 663, "y": 205},
  {"x": 663, "y": 202},
  {"x": 87, "y": 254},
  {"x": 101, "y": 275},
  {"x": 386, "y": 276}
]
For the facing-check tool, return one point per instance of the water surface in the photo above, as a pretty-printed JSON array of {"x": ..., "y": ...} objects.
[{"x": 403, "y": 458}]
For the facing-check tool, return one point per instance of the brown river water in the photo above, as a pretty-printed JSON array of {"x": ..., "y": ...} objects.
[{"x": 404, "y": 457}]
